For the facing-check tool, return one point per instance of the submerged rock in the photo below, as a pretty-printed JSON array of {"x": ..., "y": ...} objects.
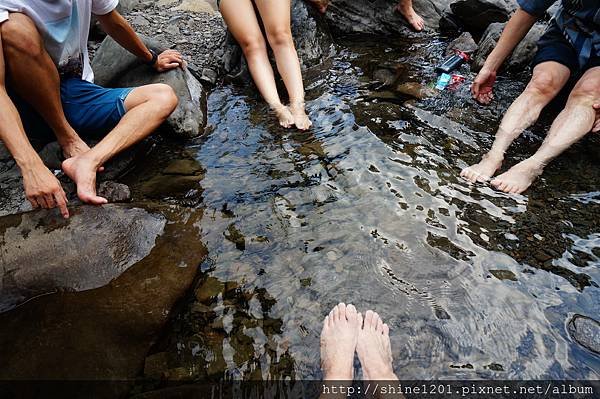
[
  {"x": 116, "y": 67},
  {"x": 43, "y": 253},
  {"x": 586, "y": 332}
]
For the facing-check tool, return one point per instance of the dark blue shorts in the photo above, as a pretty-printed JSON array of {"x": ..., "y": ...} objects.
[
  {"x": 554, "y": 46},
  {"x": 90, "y": 109}
]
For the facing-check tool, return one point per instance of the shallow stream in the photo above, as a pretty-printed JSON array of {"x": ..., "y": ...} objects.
[{"x": 368, "y": 208}]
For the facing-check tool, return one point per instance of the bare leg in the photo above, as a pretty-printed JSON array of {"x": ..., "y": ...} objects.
[
  {"x": 374, "y": 349},
  {"x": 276, "y": 16},
  {"x": 405, "y": 7},
  {"x": 547, "y": 81},
  {"x": 34, "y": 77},
  {"x": 574, "y": 122},
  {"x": 148, "y": 107},
  {"x": 243, "y": 25}
]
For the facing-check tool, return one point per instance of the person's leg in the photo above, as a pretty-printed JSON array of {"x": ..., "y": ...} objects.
[
  {"x": 147, "y": 108},
  {"x": 339, "y": 338},
  {"x": 243, "y": 25},
  {"x": 574, "y": 122},
  {"x": 276, "y": 16},
  {"x": 374, "y": 349},
  {"x": 405, "y": 7},
  {"x": 547, "y": 81},
  {"x": 33, "y": 76}
]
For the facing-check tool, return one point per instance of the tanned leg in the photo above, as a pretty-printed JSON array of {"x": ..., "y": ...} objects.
[
  {"x": 243, "y": 25},
  {"x": 148, "y": 107},
  {"x": 574, "y": 122},
  {"x": 33, "y": 76},
  {"x": 547, "y": 81},
  {"x": 276, "y": 16}
]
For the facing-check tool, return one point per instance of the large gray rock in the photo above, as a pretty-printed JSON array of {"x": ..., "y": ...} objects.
[
  {"x": 586, "y": 332},
  {"x": 522, "y": 56},
  {"x": 477, "y": 15},
  {"x": 379, "y": 16},
  {"x": 43, "y": 253},
  {"x": 116, "y": 67}
]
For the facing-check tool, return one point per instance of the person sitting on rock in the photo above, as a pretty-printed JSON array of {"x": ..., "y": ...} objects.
[
  {"x": 46, "y": 86},
  {"x": 404, "y": 7},
  {"x": 346, "y": 332},
  {"x": 243, "y": 23},
  {"x": 570, "y": 48}
]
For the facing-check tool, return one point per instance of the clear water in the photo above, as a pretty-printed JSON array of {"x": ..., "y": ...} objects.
[{"x": 368, "y": 208}]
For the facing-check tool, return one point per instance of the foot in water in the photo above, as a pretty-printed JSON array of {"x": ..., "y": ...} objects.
[
  {"x": 374, "y": 349},
  {"x": 519, "y": 177},
  {"x": 338, "y": 342},
  {"x": 301, "y": 120},
  {"x": 484, "y": 170},
  {"x": 321, "y": 5},
  {"x": 283, "y": 115},
  {"x": 405, "y": 8},
  {"x": 83, "y": 172}
]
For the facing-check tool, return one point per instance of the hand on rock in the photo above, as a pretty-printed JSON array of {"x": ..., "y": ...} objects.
[
  {"x": 43, "y": 190},
  {"x": 483, "y": 86},
  {"x": 169, "y": 59}
]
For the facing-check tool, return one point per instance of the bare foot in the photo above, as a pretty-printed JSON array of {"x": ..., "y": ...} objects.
[
  {"x": 75, "y": 147},
  {"x": 301, "y": 120},
  {"x": 405, "y": 8},
  {"x": 283, "y": 115},
  {"x": 321, "y": 5},
  {"x": 519, "y": 177},
  {"x": 83, "y": 172},
  {"x": 484, "y": 170},
  {"x": 374, "y": 349},
  {"x": 338, "y": 342}
]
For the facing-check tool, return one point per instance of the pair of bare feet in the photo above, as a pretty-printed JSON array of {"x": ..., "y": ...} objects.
[
  {"x": 292, "y": 115},
  {"x": 81, "y": 167},
  {"x": 345, "y": 332},
  {"x": 404, "y": 7},
  {"x": 515, "y": 181}
]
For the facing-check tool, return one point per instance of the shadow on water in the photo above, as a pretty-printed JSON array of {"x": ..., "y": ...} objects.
[{"x": 368, "y": 208}]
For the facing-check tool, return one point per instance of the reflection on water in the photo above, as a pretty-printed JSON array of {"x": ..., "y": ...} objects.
[{"x": 368, "y": 208}]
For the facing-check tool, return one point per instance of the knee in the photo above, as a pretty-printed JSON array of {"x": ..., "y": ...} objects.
[
  {"x": 253, "y": 44},
  {"x": 165, "y": 99},
  {"x": 281, "y": 37},
  {"x": 544, "y": 84},
  {"x": 587, "y": 90},
  {"x": 19, "y": 35}
]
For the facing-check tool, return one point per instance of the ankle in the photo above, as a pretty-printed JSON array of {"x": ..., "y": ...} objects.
[
  {"x": 336, "y": 375},
  {"x": 494, "y": 156}
]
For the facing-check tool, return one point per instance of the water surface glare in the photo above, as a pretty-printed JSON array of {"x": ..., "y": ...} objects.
[{"x": 368, "y": 208}]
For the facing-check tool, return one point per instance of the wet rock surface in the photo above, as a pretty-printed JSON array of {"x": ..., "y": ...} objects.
[{"x": 43, "y": 253}]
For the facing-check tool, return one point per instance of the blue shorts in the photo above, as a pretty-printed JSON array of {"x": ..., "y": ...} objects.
[
  {"x": 91, "y": 110},
  {"x": 554, "y": 46}
]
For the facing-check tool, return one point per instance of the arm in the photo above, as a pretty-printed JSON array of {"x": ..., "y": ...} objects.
[
  {"x": 119, "y": 29},
  {"x": 41, "y": 186},
  {"x": 516, "y": 29}
]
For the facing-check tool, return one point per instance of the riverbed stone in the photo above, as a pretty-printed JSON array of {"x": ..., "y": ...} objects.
[
  {"x": 44, "y": 253},
  {"x": 586, "y": 332},
  {"x": 105, "y": 333},
  {"x": 464, "y": 43},
  {"x": 116, "y": 67},
  {"x": 477, "y": 15}
]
